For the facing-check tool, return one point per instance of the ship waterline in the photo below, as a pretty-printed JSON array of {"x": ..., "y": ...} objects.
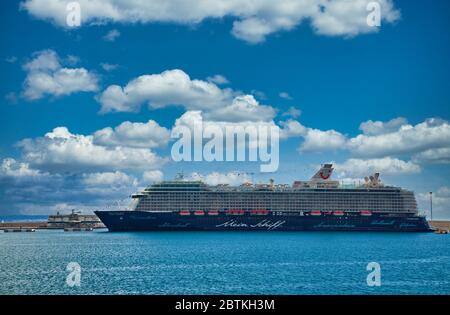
[{"x": 319, "y": 204}]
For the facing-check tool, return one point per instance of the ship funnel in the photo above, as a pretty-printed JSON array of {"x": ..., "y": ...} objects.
[{"x": 324, "y": 173}]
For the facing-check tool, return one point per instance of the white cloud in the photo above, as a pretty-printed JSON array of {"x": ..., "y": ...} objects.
[
  {"x": 171, "y": 87},
  {"x": 218, "y": 79},
  {"x": 408, "y": 139},
  {"x": 111, "y": 36},
  {"x": 138, "y": 135},
  {"x": 374, "y": 128},
  {"x": 72, "y": 60},
  {"x": 12, "y": 168},
  {"x": 285, "y": 95},
  {"x": 175, "y": 87},
  {"x": 426, "y": 142},
  {"x": 292, "y": 128},
  {"x": 292, "y": 112},
  {"x": 152, "y": 176},
  {"x": 318, "y": 140},
  {"x": 253, "y": 21},
  {"x": 195, "y": 120},
  {"x": 35, "y": 193},
  {"x": 109, "y": 66},
  {"x": 386, "y": 166},
  {"x": 62, "y": 169},
  {"x": 242, "y": 108},
  {"x": 190, "y": 118},
  {"x": 433, "y": 156},
  {"x": 349, "y": 18},
  {"x": 43, "y": 60},
  {"x": 61, "y": 151},
  {"x": 46, "y": 76},
  {"x": 108, "y": 179},
  {"x": 313, "y": 139}
]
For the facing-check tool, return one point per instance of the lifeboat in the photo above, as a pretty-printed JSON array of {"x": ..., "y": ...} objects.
[
  {"x": 199, "y": 212},
  {"x": 213, "y": 212},
  {"x": 185, "y": 212},
  {"x": 259, "y": 212},
  {"x": 366, "y": 213},
  {"x": 235, "y": 212},
  {"x": 316, "y": 213},
  {"x": 338, "y": 213}
]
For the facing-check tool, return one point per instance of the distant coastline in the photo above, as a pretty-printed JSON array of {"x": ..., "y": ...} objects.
[{"x": 23, "y": 218}]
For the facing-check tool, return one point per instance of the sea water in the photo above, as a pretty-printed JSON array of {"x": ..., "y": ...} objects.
[{"x": 223, "y": 262}]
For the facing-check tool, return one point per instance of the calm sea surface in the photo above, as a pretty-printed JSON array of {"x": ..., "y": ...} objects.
[{"x": 224, "y": 263}]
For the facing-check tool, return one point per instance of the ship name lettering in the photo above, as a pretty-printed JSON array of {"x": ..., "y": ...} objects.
[
  {"x": 232, "y": 223},
  {"x": 269, "y": 224}
]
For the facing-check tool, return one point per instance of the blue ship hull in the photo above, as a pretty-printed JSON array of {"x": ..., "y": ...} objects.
[{"x": 173, "y": 221}]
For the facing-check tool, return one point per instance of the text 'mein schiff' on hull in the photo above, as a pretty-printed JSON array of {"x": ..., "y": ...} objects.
[{"x": 319, "y": 204}]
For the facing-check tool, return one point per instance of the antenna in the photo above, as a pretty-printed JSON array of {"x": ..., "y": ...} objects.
[{"x": 431, "y": 204}]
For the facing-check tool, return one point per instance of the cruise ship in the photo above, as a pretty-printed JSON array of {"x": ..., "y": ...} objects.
[{"x": 319, "y": 204}]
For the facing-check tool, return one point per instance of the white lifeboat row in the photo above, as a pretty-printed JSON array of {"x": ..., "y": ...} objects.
[
  {"x": 338, "y": 213},
  {"x": 228, "y": 212},
  {"x": 264, "y": 212}
]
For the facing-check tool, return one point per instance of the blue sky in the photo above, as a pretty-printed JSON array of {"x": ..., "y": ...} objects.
[{"x": 337, "y": 80}]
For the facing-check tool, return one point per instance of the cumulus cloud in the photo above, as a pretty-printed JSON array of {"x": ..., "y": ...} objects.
[
  {"x": 175, "y": 87},
  {"x": 292, "y": 112},
  {"x": 46, "y": 76},
  {"x": 408, "y": 139},
  {"x": 387, "y": 166},
  {"x": 313, "y": 139},
  {"x": 171, "y": 87},
  {"x": 425, "y": 142},
  {"x": 152, "y": 176},
  {"x": 63, "y": 170},
  {"x": 253, "y": 21},
  {"x": 318, "y": 140},
  {"x": 129, "y": 134},
  {"x": 195, "y": 120},
  {"x": 13, "y": 168},
  {"x": 292, "y": 128},
  {"x": 191, "y": 118},
  {"x": 242, "y": 108},
  {"x": 61, "y": 151},
  {"x": 374, "y": 128},
  {"x": 31, "y": 191},
  {"x": 433, "y": 156},
  {"x": 108, "y": 179}
]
